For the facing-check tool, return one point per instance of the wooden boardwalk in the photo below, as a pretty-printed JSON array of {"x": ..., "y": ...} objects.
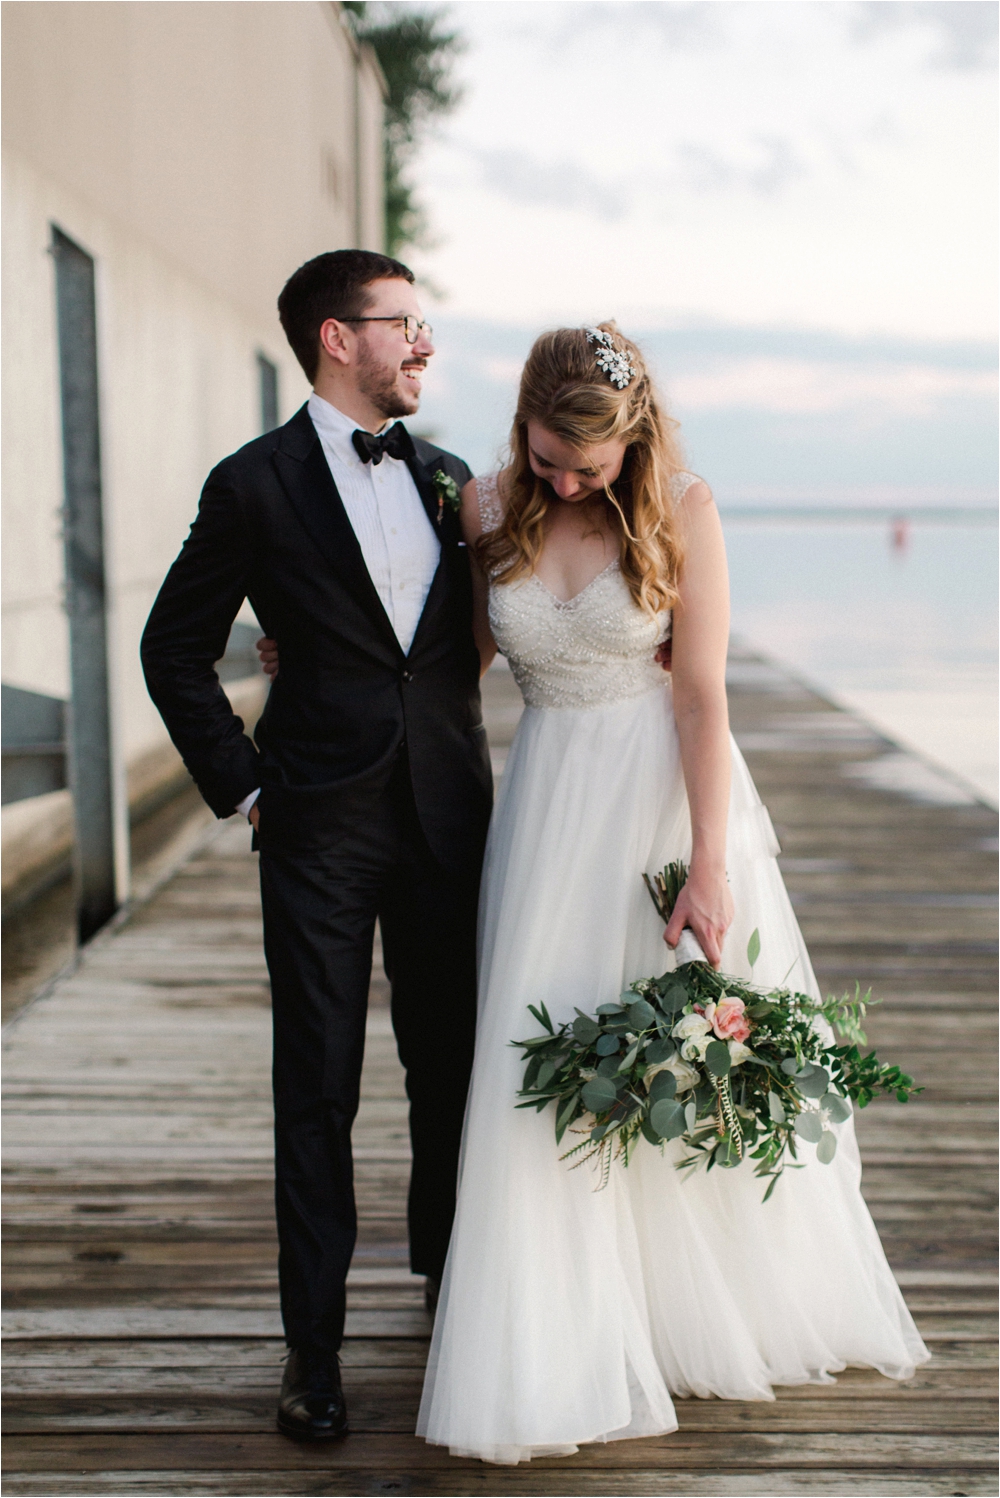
[{"x": 143, "y": 1342}]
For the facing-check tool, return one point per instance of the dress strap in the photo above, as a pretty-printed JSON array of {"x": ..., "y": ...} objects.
[
  {"x": 490, "y": 508},
  {"x": 680, "y": 483}
]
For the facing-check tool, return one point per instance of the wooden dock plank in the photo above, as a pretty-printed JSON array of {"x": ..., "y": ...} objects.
[
  {"x": 144, "y": 1344},
  {"x": 776, "y": 1483}
]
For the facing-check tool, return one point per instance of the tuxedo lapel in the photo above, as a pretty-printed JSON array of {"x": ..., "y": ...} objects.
[
  {"x": 306, "y": 478},
  {"x": 426, "y": 490},
  {"x": 441, "y": 518}
]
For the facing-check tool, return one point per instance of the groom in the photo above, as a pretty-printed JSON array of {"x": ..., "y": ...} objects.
[{"x": 369, "y": 783}]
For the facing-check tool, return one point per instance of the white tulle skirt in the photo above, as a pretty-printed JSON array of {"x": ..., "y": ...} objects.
[{"x": 568, "y": 1313}]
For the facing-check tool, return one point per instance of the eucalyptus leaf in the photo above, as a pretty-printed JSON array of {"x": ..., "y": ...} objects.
[
  {"x": 648, "y": 1132},
  {"x": 531, "y": 1072},
  {"x": 660, "y": 1050},
  {"x": 628, "y": 1061},
  {"x": 607, "y": 1045},
  {"x": 753, "y": 948},
  {"x": 827, "y": 1147},
  {"x": 609, "y": 1009},
  {"x": 690, "y": 1115},
  {"x": 566, "y": 1110},
  {"x": 809, "y": 1126},
  {"x": 585, "y": 1029},
  {"x": 608, "y": 1067},
  {"x": 815, "y": 1084},
  {"x": 641, "y": 1015},
  {"x": 718, "y": 1059},
  {"x": 666, "y": 1118},
  {"x": 776, "y": 1107},
  {"x": 838, "y": 1108},
  {"x": 663, "y": 1085},
  {"x": 546, "y": 1072},
  {"x": 761, "y": 1009},
  {"x": 599, "y": 1094},
  {"x": 789, "y": 1066},
  {"x": 674, "y": 998}
]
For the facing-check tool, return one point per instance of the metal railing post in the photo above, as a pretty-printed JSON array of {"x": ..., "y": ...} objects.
[{"x": 89, "y": 759}]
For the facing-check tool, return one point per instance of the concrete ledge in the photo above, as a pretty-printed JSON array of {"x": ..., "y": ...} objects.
[
  {"x": 37, "y": 834},
  {"x": 37, "y": 842}
]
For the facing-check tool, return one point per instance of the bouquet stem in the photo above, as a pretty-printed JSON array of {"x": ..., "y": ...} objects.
[{"x": 663, "y": 891}]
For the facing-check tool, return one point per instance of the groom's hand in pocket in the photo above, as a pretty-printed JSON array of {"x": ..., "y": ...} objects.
[
  {"x": 664, "y": 655},
  {"x": 254, "y": 816},
  {"x": 268, "y": 652}
]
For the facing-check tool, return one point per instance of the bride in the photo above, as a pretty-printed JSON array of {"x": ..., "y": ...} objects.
[{"x": 568, "y": 1314}]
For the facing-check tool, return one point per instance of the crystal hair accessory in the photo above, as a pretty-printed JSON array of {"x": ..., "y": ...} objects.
[{"x": 614, "y": 361}]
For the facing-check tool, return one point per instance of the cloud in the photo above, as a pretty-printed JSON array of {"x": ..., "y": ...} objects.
[
  {"x": 562, "y": 184},
  {"x": 803, "y": 387},
  {"x": 770, "y": 165},
  {"x": 678, "y": 23},
  {"x": 767, "y": 165},
  {"x": 966, "y": 30}
]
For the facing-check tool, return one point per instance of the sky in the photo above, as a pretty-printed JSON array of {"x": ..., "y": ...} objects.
[{"x": 791, "y": 204}]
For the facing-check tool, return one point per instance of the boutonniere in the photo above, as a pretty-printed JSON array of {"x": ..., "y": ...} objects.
[{"x": 447, "y": 494}]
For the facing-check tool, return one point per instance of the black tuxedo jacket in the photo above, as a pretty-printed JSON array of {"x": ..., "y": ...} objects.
[{"x": 271, "y": 527}]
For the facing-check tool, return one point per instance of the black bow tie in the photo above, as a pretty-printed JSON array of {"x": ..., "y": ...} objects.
[{"x": 396, "y": 443}]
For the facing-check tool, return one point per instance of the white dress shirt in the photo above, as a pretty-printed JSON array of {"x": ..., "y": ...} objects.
[{"x": 398, "y": 542}]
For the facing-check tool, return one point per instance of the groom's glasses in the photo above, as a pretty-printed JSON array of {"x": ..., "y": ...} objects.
[{"x": 411, "y": 328}]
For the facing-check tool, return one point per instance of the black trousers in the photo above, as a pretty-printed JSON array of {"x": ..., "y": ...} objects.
[{"x": 331, "y": 860}]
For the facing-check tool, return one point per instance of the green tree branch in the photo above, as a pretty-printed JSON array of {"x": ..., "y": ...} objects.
[{"x": 416, "y": 54}]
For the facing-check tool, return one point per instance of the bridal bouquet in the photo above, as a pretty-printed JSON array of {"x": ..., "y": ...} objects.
[{"x": 730, "y": 1068}]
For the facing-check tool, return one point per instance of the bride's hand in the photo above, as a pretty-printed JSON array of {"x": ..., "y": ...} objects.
[
  {"x": 706, "y": 905},
  {"x": 268, "y": 652}
]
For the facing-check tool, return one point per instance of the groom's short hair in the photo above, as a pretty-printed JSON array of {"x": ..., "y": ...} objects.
[{"x": 332, "y": 285}]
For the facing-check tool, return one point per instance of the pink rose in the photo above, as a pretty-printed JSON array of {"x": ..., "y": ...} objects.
[{"x": 729, "y": 1020}]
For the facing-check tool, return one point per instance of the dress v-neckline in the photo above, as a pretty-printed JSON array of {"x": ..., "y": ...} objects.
[{"x": 565, "y": 602}]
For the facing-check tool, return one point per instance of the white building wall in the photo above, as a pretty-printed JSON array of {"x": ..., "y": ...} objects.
[{"x": 199, "y": 152}]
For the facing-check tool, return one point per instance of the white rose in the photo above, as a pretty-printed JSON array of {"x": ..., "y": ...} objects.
[
  {"x": 738, "y": 1052},
  {"x": 686, "y": 1075},
  {"x": 689, "y": 1026},
  {"x": 696, "y": 1047}
]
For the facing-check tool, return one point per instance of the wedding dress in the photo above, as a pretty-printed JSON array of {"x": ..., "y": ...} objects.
[{"x": 567, "y": 1313}]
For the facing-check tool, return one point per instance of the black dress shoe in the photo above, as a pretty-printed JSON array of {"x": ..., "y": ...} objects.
[
  {"x": 432, "y": 1289},
  {"x": 311, "y": 1404}
]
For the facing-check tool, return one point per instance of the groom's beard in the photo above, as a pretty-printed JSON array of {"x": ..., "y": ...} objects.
[{"x": 379, "y": 383}]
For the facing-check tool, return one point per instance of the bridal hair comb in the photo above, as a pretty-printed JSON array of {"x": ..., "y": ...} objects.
[{"x": 614, "y": 361}]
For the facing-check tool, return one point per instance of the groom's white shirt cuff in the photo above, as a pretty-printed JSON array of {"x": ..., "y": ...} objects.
[{"x": 243, "y": 807}]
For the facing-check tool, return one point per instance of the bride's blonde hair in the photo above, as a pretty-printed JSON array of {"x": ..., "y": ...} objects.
[{"x": 564, "y": 390}]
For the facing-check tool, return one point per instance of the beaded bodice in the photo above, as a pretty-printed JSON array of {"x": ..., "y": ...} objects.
[{"x": 591, "y": 650}]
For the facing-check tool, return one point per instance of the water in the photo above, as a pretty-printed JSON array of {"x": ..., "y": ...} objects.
[{"x": 896, "y": 620}]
